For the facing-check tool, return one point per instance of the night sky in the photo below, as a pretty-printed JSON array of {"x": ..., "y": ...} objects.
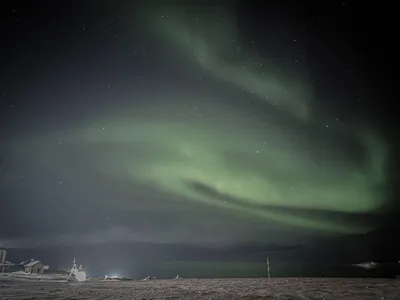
[{"x": 223, "y": 126}]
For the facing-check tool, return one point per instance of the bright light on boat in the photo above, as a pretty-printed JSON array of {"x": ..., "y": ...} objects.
[{"x": 80, "y": 276}]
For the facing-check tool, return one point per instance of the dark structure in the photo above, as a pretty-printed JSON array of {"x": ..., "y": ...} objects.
[{"x": 34, "y": 267}]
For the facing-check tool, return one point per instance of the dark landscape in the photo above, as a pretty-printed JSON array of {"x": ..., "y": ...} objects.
[
  {"x": 199, "y": 150},
  {"x": 249, "y": 288}
]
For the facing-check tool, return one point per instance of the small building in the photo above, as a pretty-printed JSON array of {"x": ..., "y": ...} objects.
[{"x": 34, "y": 267}]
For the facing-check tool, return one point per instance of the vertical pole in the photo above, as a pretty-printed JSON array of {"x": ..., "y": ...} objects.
[
  {"x": 269, "y": 273},
  {"x": 3, "y": 254}
]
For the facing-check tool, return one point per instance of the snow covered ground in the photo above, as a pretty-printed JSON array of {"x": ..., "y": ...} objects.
[{"x": 279, "y": 288}]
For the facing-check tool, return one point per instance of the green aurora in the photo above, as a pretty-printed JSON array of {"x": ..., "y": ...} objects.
[{"x": 216, "y": 152}]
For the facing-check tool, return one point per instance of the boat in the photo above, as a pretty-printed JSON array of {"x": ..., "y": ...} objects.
[
  {"x": 22, "y": 276},
  {"x": 34, "y": 270}
]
